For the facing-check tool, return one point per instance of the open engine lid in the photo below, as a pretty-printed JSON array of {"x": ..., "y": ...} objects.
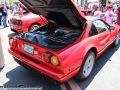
[{"x": 61, "y": 12}]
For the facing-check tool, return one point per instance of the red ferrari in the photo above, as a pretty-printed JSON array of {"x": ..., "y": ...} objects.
[
  {"x": 26, "y": 22},
  {"x": 85, "y": 11},
  {"x": 67, "y": 45}
]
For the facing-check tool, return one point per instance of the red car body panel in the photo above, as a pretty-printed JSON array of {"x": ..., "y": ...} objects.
[
  {"x": 27, "y": 20},
  {"x": 85, "y": 11},
  {"x": 51, "y": 72},
  {"x": 70, "y": 64},
  {"x": 71, "y": 57}
]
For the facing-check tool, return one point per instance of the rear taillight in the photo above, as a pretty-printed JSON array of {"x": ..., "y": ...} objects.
[
  {"x": 50, "y": 58},
  {"x": 47, "y": 56},
  {"x": 16, "y": 22},
  {"x": 12, "y": 42},
  {"x": 19, "y": 22}
]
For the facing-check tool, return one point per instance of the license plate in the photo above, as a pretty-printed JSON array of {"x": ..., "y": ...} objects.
[{"x": 29, "y": 49}]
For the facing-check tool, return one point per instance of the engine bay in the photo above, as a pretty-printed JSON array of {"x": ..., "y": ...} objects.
[{"x": 51, "y": 37}]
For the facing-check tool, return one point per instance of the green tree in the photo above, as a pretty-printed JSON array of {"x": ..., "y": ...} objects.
[{"x": 12, "y": 1}]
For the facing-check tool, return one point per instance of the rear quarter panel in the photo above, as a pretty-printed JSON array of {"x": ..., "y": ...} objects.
[
  {"x": 73, "y": 55},
  {"x": 31, "y": 18}
]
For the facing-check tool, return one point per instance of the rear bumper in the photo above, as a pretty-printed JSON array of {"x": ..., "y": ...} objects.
[
  {"x": 45, "y": 70},
  {"x": 18, "y": 29},
  {"x": 14, "y": 30}
]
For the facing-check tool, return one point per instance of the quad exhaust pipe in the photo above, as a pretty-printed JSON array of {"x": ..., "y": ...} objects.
[{"x": 46, "y": 78}]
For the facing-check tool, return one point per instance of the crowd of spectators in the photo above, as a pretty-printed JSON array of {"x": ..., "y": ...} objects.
[
  {"x": 3, "y": 15},
  {"x": 109, "y": 12},
  {"x": 6, "y": 9}
]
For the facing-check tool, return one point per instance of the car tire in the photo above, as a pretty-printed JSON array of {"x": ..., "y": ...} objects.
[
  {"x": 87, "y": 66},
  {"x": 117, "y": 40},
  {"x": 33, "y": 27}
]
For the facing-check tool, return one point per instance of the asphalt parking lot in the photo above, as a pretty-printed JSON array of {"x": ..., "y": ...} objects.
[{"x": 105, "y": 75}]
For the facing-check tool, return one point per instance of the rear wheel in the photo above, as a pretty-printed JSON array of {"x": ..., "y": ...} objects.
[
  {"x": 117, "y": 40},
  {"x": 87, "y": 66},
  {"x": 34, "y": 27}
]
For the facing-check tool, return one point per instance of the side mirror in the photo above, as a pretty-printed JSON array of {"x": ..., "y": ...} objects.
[{"x": 112, "y": 27}]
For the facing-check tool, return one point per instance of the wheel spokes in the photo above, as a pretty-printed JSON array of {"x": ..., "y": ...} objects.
[
  {"x": 34, "y": 27},
  {"x": 88, "y": 65}
]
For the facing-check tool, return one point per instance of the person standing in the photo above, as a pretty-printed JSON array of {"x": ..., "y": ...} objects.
[
  {"x": 118, "y": 16},
  {"x": 16, "y": 7},
  {"x": 106, "y": 7},
  {"x": 115, "y": 6},
  {"x": 98, "y": 13},
  {"x": 20, "y": 10},
  {"x": 4, "y": 15},
  {"x": 0, "y": 13},
  {"x": 109, "y": 14},
  {"x": 90, "y": 7},
  {"x": 94, "y": 8},
  {"x": 101, "y": 7}
]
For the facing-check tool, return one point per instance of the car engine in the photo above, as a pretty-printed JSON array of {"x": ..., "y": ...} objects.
[{"x": 51, "y": 38}]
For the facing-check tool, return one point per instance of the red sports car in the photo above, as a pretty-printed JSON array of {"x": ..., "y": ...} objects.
[
  {"x": 26, "y": 22},
  {"x": 67, "y": 45},
  {"x": 85, "y": 11}
]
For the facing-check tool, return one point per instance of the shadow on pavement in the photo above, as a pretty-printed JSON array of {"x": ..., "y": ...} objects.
[
  {"x": 21, "y": 76},
  {"x": 100, "y": 62},
  {"x": 1, "y": 28},
  {"x": 1, "y": 68},
  {"x": 12, "y": 34}
]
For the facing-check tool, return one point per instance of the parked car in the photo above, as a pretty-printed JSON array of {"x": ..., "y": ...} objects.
[
  {"x": 26, "y": 22},
  {"x": 85, "y": 11},
  {"x": 66, "y": 46}
]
